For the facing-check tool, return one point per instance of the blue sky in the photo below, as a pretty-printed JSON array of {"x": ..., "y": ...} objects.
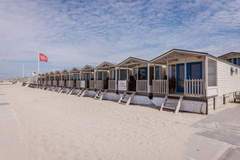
[{"x": 77, "y": 32}]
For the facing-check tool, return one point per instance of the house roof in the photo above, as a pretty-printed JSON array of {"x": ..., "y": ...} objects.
[
  {"x": 193, "y": 53},
  {"x": 132, "y": 61},
  {"x": 57, "y": 72},
  {"x": 87, "y": 67},
  {"x": 234, "y": 54},
  {"x": 74, "y": 70},
  {"x": 105, "y": 65},
  {"x": 64, "y": 71},
  {"x": 180, "y": 51}
]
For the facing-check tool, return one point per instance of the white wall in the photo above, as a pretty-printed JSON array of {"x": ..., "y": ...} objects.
[{"x": 226, "y": 82}]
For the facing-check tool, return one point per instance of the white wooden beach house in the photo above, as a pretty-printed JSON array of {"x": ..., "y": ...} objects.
[{"x": 102, "y": 75}]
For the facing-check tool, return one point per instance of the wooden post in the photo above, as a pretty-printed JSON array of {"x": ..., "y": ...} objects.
[
  {"x": 214, "y": 103},
  {"x": 137, "y": 73},
  {"x": 185, "y": 77},
  {"x": 154, "y": 71},
  {"x": 148, "y": 79},
  {"x": 69, "y": 79},
  {"x": 94, "y": 78},
  {"x": 116, "y": 79},
  {"x": 167, "y": 87},
  {"x": 206, "y": 75},
  {"x": 224, "y": 99},
  {"x": 206, "y": 106}
]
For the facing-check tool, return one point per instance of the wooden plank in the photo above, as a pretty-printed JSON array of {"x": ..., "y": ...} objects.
[{"x": 179, "y": 104}]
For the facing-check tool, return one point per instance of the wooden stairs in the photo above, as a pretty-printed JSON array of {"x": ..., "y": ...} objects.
[
  {"x": 172, "y": 103},
  {"x": 126, "y": 98}
]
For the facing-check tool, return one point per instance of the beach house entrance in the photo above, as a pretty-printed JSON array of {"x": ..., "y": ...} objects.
[{"x": 180, "y": 78}]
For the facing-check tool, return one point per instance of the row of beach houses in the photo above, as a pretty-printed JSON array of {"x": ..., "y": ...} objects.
[{"x": 178, "y": 80}]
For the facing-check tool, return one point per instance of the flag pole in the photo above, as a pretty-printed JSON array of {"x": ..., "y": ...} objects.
[
  {"x": 38, "y": 69},
  {"x": 38, "y": 64}
]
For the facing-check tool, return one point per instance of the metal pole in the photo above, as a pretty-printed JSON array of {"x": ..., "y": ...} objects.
[{"x": 38, "y": 64}]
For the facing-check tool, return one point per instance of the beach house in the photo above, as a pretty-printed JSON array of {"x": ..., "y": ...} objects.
[
  {"x": 102, "y": 75},
  {"x": 233, "y": 57}
]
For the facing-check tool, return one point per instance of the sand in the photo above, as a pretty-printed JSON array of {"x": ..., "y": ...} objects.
[{"x": 46, "y": 125}]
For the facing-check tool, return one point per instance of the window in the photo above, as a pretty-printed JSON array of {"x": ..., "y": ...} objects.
[
  {"x": 142, "y": 73},
  {"x": 238, "y": 61},
  {"x": 160, "y": 73},
  {"x": 123, "y": 74},
  {"x": 135, "y": 72},
  {"x": 234, "y": 60},
  {"x": 105, "y": 76},
  {"x": 212, "y": 72},
  {"x": 99, "y": 75},
  {"x": 112, "y": 74},
  {"x": 194, "y": 70},
  {"x": 75, "y": 77},
  {"x": 157, "y": 72}
]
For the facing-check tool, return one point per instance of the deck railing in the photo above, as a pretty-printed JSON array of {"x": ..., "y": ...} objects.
[
  {"x": 194, "y": 87},
  {"x": 61, "y": 83},
  {"x": 49, "y": 83},
  {"x": 91, "y": 84},
  {"x": 159, "y": 86},
  {"x": 54, "y": 83},
  {"x": 78, "y": 84},
  {"x": 141, "y": 85},
  {"x": 99, "y": 84},
  {"x": 69, "y": 83},
  {"x": 111, "y": 85}
]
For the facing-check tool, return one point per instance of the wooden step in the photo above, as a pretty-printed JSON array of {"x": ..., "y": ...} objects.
[
  {"x": 130, "y": 98},
  {"x": 172, "y": 103},
  {"x": 126, "y": 98},
  {"x": 179, "y": 104}
]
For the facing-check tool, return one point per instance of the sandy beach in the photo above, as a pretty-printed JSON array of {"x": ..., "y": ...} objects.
[{"x": 44, "y": 125}]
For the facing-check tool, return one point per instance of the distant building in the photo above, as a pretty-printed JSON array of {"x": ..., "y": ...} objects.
[{"x": 233, "y": 57}]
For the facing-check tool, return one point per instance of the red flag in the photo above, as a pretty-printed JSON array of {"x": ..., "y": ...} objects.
[{"x": 43, "y": 57}]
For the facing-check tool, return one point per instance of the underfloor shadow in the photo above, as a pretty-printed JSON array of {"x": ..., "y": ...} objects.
[{"x": 4, "y": 104}]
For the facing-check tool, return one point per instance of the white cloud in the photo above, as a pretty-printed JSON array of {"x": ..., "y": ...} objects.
[{"x": 74, "y": 33}]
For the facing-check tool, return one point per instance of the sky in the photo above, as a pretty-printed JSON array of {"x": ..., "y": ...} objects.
[{"x": 73, "y": 33}]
